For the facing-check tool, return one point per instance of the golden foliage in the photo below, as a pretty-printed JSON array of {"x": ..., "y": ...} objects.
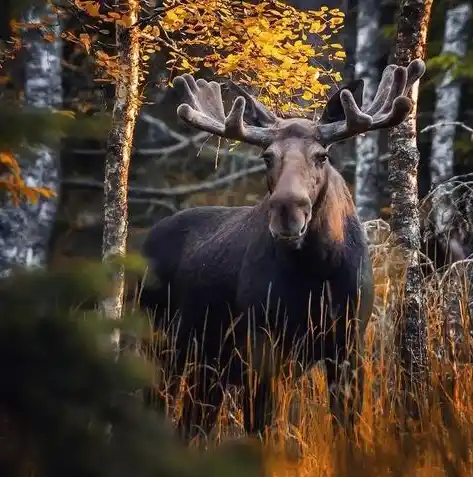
[
  {"x": 12, "y": 182},
  {"x": 264, "y": 46}
]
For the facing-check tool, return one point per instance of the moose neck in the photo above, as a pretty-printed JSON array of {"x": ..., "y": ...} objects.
[{"x": 332, "y": 209}]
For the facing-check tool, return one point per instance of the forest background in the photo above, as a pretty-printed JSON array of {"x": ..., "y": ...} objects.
[{"x": 59, "y": 67}]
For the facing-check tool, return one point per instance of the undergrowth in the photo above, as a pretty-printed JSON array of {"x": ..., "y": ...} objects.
[
  {"x": 70, "y": 407},
  {"x": 303, "y": 441}
]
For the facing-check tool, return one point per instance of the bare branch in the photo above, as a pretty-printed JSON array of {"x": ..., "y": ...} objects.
[
  {"x": 458, "y": 181},
  {"x": 175, "y": 148},
  {"x": 167, "y": 204},
  {"x": 450, "y": 123},
  {"x": 166, "y": 129},
  {"x": 178, "y": 191},
  {"x": 196, "y": 141}
]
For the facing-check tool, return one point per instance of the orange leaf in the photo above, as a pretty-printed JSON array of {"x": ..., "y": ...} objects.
[
  {"x": 7, "y": 159},
  {"x": 85, "y": 40},
  {"x": 92, "y": 8}
]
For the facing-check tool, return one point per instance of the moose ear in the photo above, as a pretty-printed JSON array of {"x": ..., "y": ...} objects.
[
  {"x": 255, "y": 112},
  {"x": 334, "y": 110}
]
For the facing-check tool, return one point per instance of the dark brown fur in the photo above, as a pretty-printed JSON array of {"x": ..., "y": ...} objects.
[
  {"x": 220, "y": 263},
  {"x": 294, "y": 267}
]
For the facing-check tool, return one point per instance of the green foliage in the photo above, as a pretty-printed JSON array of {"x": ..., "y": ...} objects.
[
  {"x": 459, "y": 67},
  {"x": 63, "y": 390},
  {"x": 463, "y": 149},
  {"x": 444, "y": 61},
  {"x": 389, "y": 31}
]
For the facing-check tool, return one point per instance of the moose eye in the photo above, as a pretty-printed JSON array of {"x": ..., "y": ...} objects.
[
  {"x": 320, "y": 159},
  {"x": 268, "y": 159}
]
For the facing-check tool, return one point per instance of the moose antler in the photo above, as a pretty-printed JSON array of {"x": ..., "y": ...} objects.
[
  {"x": 389, "y": 107},
  {"x": 203, "y": 109}
]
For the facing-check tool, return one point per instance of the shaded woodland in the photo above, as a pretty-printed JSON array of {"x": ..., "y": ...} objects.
[
  {"x": 173, "y": 168},
  {"x": 67, "y": 135}
]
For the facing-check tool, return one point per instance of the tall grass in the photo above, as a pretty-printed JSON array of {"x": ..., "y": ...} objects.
[{"x": 387, "y": 441}]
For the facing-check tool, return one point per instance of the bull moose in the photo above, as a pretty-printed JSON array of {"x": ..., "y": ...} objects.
[{"x": 292, "y": 269}]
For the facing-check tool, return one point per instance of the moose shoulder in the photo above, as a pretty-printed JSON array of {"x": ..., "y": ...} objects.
[{"x": 296, "y": 265}]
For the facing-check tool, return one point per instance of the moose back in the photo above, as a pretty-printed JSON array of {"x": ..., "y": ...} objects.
[{"x": 291, "y": 273}]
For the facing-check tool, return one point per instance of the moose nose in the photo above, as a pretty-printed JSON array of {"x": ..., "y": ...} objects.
[{"x": 289, "y": 215}]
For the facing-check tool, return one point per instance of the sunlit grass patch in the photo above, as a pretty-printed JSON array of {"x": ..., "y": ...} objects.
[{"x": 302, "y": 440}]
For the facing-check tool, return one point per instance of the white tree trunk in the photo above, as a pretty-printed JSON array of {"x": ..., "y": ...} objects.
[
  {"x": 446, "y": 110},
  {"x": 367, "y": 55},
  {"x": 117, "y": 161},
  {"x": 442, "y": 155},
  {"x": 25, "y": 230}
]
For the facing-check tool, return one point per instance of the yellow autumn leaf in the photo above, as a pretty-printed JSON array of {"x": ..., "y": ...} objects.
[
  {"x": 66, "y": 112},
  {"x": 336, "y": 21},
  {"x": 307, "y": 95},
  {"x": 316, "y": 27},
  {"x": 45, "y": 192},
  {"x": 265, "y": 45}
]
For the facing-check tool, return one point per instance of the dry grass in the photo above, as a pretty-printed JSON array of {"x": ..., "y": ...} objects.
[{"x": 387, "y": 441}]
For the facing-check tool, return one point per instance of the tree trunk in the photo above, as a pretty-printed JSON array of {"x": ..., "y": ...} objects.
[
  {"x": 443, "y": 212},
  {"x": 25, "y": 229},
  {"x": 117, "y": 159},
  {"x": 412, "y": 25},
  {"x": 366, "y": 68},
  {"x": 447, "y": 109}
]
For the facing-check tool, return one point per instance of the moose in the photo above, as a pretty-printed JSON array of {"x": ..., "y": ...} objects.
[{"x": 292, "y": 269}]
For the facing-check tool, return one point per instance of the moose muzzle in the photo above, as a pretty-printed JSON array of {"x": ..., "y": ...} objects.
[{"x": 289, "y": 216}]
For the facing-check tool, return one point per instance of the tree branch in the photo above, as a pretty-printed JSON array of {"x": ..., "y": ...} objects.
[
  {"x": 448, "y": 123},
  {"x": 178, "y": 191},
  {"x": 196, "y": 141},
  {"x": 167, "y": 130}
]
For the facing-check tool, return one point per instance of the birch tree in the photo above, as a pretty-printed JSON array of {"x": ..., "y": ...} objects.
[
  {"x": 366, "y": 68},
  {"x": 117, "y": 160},
  {"x": 25, "y": 228},
  {"x": 447, "y": 106},
  {"x": 411, "y": 37}
]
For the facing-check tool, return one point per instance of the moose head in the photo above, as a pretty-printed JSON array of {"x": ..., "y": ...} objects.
[{"x": 295, "y": 150}]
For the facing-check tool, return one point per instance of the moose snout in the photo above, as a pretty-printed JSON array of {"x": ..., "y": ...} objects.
[{"x": 289, "y": 216}]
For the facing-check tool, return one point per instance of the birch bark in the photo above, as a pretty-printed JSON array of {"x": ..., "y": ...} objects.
[
  {"x": 447, "y": 108},
  {"x": 25, "y": 229},
  {"x": 444, "y": 210},
  {"x": 117, "y": 160},
  {"x": 366, "y": 68},
  {"x": 412, "y": 25}
]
